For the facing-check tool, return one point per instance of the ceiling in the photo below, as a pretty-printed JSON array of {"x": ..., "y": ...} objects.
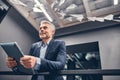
[{"x": 64, "y": 13}]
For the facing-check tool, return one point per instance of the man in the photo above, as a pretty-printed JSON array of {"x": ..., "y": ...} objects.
[{"x": 46, "y": 55}]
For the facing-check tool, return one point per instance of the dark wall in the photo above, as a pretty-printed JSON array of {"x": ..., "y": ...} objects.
[{"x": 109, "y": 45}]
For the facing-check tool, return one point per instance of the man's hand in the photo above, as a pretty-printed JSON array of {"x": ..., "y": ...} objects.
[
  {"x": 28, "y": 61},
  {"x": 11, "y": 62}
]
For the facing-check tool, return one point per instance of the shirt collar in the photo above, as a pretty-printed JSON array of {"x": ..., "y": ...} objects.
[{"x": 46, "y": 44}]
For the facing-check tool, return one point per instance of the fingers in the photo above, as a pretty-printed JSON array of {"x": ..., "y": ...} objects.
[
  {"x": 28, "y": 61},
  {"x": 25, "y": 58},
  {"x": 10, "y": 62},
  {"x": 27, "y": 65},
  {"x": 10, "y": 58},
  {"x": 25, "y": 62}
]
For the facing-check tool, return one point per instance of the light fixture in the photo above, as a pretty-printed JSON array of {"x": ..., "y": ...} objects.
[
  {"x": 101, "y": 19},
  {"x": 41, "y": 6},
  {"x": 45, "y": 12},
  {"x": 115, "y": 2}
]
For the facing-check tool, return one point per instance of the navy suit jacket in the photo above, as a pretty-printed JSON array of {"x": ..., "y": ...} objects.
[{"x": 54, "y": 61}]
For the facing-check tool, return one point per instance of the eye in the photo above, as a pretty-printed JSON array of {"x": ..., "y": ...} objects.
[
  {"x": 40, "y": 28},
  {"x": 44, "y": 27}
]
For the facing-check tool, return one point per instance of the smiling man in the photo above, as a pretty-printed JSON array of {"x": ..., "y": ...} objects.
[{"x": 46, "y": 55}]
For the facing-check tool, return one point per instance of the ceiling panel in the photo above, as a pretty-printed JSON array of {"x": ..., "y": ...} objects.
[{"x": 64, "y": 13}]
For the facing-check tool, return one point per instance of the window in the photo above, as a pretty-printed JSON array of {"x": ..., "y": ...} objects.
[{"x": 3, "y": 10}]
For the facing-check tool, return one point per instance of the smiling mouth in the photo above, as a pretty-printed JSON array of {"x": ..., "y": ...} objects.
[{"x": 42, "y": 33}]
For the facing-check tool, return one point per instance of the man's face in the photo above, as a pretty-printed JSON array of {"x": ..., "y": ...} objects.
[{"x": 45, "y": 31}]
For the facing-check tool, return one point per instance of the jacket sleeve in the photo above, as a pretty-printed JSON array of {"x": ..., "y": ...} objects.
[{"x": 58, "y": 63}]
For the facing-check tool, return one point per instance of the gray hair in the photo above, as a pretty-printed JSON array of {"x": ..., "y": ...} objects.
[{"x": 47, "y": 22}]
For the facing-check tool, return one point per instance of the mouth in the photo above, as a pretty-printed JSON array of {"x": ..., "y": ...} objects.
[{"x": 42, "y": 33}]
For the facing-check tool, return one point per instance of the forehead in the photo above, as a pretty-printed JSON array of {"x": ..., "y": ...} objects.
[{"x": 45, "y": 24}]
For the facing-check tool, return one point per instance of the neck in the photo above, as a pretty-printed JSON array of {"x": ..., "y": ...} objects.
[{"x": 46, "y": 40}]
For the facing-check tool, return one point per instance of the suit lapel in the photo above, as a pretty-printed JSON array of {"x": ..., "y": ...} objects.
[
  {"x": 50, "y": 46},
  {"x": 38, "y": 49}
]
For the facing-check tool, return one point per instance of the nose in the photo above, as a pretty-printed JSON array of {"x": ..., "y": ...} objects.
[{"x": 41, "y": 29}]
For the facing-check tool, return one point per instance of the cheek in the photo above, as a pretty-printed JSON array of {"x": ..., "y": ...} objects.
[{"x": 47, "y": 34}]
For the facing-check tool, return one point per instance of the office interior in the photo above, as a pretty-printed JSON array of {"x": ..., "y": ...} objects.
[{"x": 88, "y": 27}]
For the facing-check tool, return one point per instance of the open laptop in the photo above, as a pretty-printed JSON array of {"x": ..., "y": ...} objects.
[{"x": 13, "y": 50}]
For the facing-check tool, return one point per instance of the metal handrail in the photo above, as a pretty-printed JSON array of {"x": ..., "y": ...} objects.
[{"x": 106, "y": 72}]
